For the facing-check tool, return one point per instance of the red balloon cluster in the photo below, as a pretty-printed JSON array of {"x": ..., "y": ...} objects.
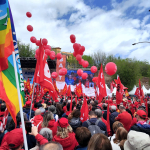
[
  {"x": 93, "y": 69},
  {"x": 85, "y": 64},
  {"x": 44, "y": 41},
  {"x": 33, "y": 39},
  {"x": 63, "y": 71},
  {"x": 52, "y": 55},
  {"x": 59, "y": 56},
  {"x": 110, "y": 68},
  {"x": 80, "y": 72},
  {"x": 54, "y": 75},
  {"x": 84, "y": 76},
  {"x": 95, "y": 79}
]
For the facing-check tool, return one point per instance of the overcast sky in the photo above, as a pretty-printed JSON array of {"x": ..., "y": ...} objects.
[{"x": 110, "y": 26}]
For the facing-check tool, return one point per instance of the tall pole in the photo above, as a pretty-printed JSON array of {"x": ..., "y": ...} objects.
[{"x": 20, "y": 103}]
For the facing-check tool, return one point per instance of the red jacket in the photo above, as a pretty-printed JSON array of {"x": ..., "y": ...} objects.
[
  {"x": 36, "y": 120},
  {"x": 107, "y": 126},
  {"x": 68, "y": 143},
  {"x": 51, "y": 125}
]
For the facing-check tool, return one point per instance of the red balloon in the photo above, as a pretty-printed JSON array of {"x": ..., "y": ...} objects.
[
  {"x": 72, "y": 38},
  {"x": 38, "y": 42},
  {"x": 81, "y": 61},
  {"x": 29, "y": 28},
  {"x": 37, "y": 51},
  {"x": 76, "y": 47},
  {"x": 74, "y": 54},
  {"x": 44, "y": 41},
  {"x": 28, "y": 14},
  {"x": 54, "y": 75},
  {"x": 79, "y": 72},
  {"x": 84, "y": 76},
  {"x": 63, "y": 71},
  {"x": 47, "y": 47},
  {"x": 46, "y": 56},
  {"x": 110, "y": 68},
  {"x": 33, "y": 39},
  {"x": 47, "y": 52},
  {"x": 59, "y": 56},
  {"x": 85, "y": 64},
  {"x": 52, "y": 55},
  {"x": 82, "y": 49},
  {"x": 93, "y": 69},
  {"x": 78, "y": 57},
  {"x": 95, "y": 79}
]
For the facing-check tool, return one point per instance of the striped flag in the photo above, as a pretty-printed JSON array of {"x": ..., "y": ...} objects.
[{"x": 8, "y": 76}]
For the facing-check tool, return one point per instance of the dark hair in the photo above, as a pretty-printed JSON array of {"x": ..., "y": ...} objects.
[
  {"x": 99, "y": 142},
  {"x": 36, "y": 105},
  {"x": 83, "y": 136},
  {"x": 74, "y": 114},
  {"x": 68, "y": 107},
  {"x": 11, "y": 125},
  {"x": 116, "y": 125},
  {"x": 3, "y": 107},
  {"x": 59, "y": 109},
  {"x": 92, "y": 113}
]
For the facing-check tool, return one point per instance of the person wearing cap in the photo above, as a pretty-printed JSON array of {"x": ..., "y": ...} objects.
[
  {"x": 52, "y": 109},
  {"x": 137, "y": 141},
  {"x": 141, "y": 125},
  {"x": 37, "y": 119},
  {"x": 65, "y": 136},
  {"x": 124, "y": 117}
]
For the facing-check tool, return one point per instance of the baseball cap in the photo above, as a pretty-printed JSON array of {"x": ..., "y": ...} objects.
[
  {"x": 137, "y": 141},
  {"x": 63, "y": 123},
  {"x": 141, "y": 113},
  {"x": 15, "y": 138},
  {"x": 28, "y": 103}
]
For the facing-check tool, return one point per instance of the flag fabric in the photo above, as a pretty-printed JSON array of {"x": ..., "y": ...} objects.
[
  {"x": 84, "y": 111},
  {"x": 101, "y": 84},
  {"x": 69, "y": 91},
  {"x": 119, "y": 91},
  {"x": 108, "y": 121},
  {"x": 71, "y": 104},
  {"x": 6, "y": 39},
  {"x": 126, "y": 93},
  {"x": 28, "y": 85},
  {"x": 76, "y": 99},
  {"x": 64, "y": 91},
  {"x": 37, "y": 90},
  {"x": 8, "y": 76},
  {"x": 137, "y": 92},
  {"x": 55, "y": 86},
  {"x": 42, "y": 74},
  {"x": 78, "y": 91},
  {"x": 141, "y": 90}
]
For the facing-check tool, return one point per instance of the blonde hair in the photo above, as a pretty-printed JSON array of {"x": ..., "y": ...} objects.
[{"x": 63, "y": 132}]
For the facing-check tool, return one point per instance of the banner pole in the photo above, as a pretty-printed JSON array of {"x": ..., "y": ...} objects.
[
  {"x": 31, "y": 101},
  {"x": 20, "y": 103}
]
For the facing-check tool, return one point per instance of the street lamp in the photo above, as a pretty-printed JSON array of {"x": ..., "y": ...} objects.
[{"x": 140, "y": 42}]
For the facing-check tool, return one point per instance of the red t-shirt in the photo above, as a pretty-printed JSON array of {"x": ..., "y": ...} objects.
[{"x": 126, "y": 119}]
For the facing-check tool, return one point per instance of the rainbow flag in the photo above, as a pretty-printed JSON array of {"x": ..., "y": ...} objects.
[
  {"x": 8, "y": 75},
  {"x": 6, "y": 40}
]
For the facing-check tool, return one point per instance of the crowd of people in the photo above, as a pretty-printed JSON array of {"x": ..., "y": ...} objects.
[{"x": 55, "y": 127}]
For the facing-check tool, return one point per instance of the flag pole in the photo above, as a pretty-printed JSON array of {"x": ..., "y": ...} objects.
[
  {"x": 32, "y": 100},
  {"x": 20, "y": 103}
]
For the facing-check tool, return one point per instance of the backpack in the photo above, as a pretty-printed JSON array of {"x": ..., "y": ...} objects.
[{"x": 94, "y": 128}]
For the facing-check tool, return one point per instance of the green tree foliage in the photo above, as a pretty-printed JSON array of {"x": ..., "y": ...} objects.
[
  {"x": 25, "y": 50},
  {"x": 72, "y": 62},
  {"x": 89, "y": 59}
]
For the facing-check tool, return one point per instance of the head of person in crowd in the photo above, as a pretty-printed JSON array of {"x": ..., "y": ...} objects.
[
  {"x": 15, "y": 139},
  {"x": 52, "y": 109},
  {"x": 11, "y": 125},
  {"x": 96, "y": 102},
  {"x": 63, "y": 128},
  {"x": 37, "y": 112},
  {"x": 74, "y": 114},
  {"x": 83, "y": 136},
  {"x": 121, "y": 136},
  {"x": 46, "y": 118},
  {"x": 74, "y": 104},
  {"x": 68, "y": 107},
  {"x": 104, "y": 106},
  {"x": 28, "y": 104},
  {"x": 141, "y": 115},
  {"x": 18, "y": 118},
  {"x": 116, "y": 125},
  {"x": 51, "y": 146},
  {"x": 36, "y": 105},
  {"x": 137, "y": 141},
  {"x": 122, "y": 108},
  {"x": 98, "y": 113},
  {"x": 59, "y": 108},
  {"x": 113, "y": 108},
  {"x": 3, "y": 107},
  {"x": 99, "y": 142},
  {"x": 92, "y": 114}
]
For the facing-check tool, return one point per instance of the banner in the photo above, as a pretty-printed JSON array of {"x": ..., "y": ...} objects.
[
  {"x": 59, "y": 65},
  {"x": 72, "y": 78}
]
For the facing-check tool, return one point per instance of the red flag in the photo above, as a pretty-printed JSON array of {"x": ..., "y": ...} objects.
[
  {"x": 55, "y": 86},
  {"x": 42, "y": 73},
  {"x": 84, "y": 111},
  {"x": 140, "y": 88},
  {"x": 79, "y": 90},
  {"x": 37, "y": 90},
  {"x": 76, "y": 100},
  {"x": 28, "y": 85},
  {"x": 146, "y": 107},
  {"x": 126, "y": 93},
  {"x": 101, "y": 84},
  {"x": 137, "y": 92},
  {"x": 119, "y": 92},
  {"x": 69, "y": 91},
  {"x": 64, "y": 91},
  {"x": 111, "y": 87}
]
